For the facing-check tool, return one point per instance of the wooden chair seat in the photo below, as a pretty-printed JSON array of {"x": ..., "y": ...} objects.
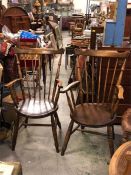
[
  {"x": 93, "y": 115},
  {"x": 32, "y": 108}
]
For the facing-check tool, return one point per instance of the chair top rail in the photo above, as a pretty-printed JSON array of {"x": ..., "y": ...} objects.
[
  {"x": 102, "y": 53},
  {"x": 40, "y": 51}
]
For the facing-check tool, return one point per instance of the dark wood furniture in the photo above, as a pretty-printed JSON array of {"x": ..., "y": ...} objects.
[
  {"x": 126, "y": 124},
  {"x": 127, "y": 32},
  {"x": 66, "y": 21},
  {"x": 78, "y": 27},
  {"x": 126, "y": 82},
  {"x": 16, "y": 18},
  {"x": 32, "y": 98},
  {"x": 94, "y": 32},
  {"x": 120, "y": 163},
  {"x": 82, "y": 42},
  {"x": 97, "y": 98}
]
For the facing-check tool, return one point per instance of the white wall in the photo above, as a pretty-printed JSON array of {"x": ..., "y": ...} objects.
[
  {"x": 80, "y": 4},
  {"x": 4, "y": 3}
]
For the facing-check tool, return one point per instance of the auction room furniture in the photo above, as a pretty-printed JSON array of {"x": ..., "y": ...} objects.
[
  {"x": 38, "y": 99},
  {"x": 76, "y": 42},
  {"x": 98, "y": 98},
  {"x": 120, "y": 163},
  {"x": 16, "y": 18},
  {"x": 78, "y": 27},
  {"x": 126, "y": 124}
]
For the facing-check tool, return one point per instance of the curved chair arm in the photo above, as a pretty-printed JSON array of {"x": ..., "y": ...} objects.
[
  {"x": 10, "y": 84},
  {"x": 120, "y": 91},
  {"x": 70, "y": 86}
]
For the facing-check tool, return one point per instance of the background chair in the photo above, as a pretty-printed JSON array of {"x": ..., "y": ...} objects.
[
  {"x": 78, "y": 28},
  {"x": 120, "y": 163},
  {"x": 58, "y": 36},
  {"x": 126, "y": 125},
  {"x": 99, "y": 92},
  {"x": 34, "y": 96}
]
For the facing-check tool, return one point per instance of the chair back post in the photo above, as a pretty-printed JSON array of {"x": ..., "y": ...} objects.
[{"x": 57, "y": 87}]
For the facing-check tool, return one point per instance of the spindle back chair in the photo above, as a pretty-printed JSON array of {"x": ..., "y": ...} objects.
[
  {"x": 35, "y": 96},
  {"x": 100, "y": 90}
]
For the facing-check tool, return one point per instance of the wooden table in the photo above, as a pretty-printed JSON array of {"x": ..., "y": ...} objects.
[
  {"x": 75, "y": 43},
  {"x": 81, "y": 43}
]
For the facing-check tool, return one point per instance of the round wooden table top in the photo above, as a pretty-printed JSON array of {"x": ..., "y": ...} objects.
[
  {"x": 121, "y": 161},
  {"x": 16, "y": 18}
]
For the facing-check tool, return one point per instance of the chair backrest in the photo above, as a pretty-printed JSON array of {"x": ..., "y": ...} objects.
[
  {"x": 53, "y": 41},
  {"x": 120, "y": 163},
  {"x": 50, "y": 37},
  {"x": 38, "y": 77},
  {"x": 100, "y": 75},
  {"x": 58, "y": 35},
  {"x": 79, "y": 20}
]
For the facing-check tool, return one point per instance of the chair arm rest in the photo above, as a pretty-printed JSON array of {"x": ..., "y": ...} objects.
[
  {"x": 10, "y": 84},
  {"x": 70, "y": 86},
  {"x": 120, "y": 91}
]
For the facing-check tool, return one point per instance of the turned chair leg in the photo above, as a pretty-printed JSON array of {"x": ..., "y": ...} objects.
[
  {"x": 67, "y": 137},
  {"x": 125, "y": 136},
  {"x": 57, "y": 120},
  {"x": 82, "y": 128},
  {"x": 110, "y": 133},
  {"x": 15, "y": 133},
  {"x": 26, "y": 122},
  {"x": 54, "y": 131}
]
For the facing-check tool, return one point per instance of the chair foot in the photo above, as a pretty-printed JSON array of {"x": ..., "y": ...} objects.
[
  {"x": 54, "y": 131},
  {"x": 110, "y": 133},
  {"x": 67, "y": 137}
]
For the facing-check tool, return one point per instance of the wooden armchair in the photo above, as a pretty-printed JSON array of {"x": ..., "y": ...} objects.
[
  {"x": 32, "y": 97},
  {"x": 99, "y": 92}
]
